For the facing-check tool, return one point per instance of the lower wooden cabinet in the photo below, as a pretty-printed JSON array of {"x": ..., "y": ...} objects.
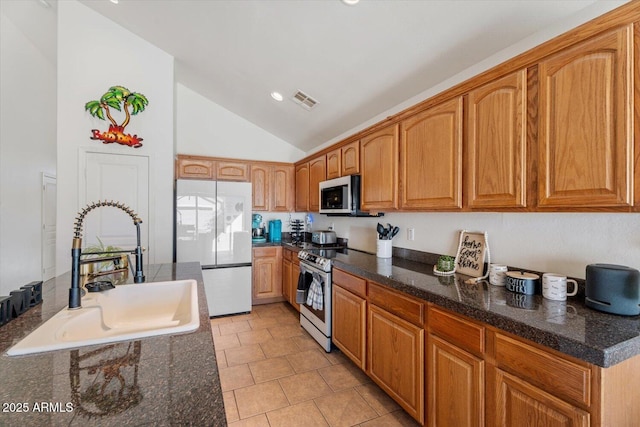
[
  {"x": 267, "y": 274},
  {"x": 468, "y": 373},
  {"x": 290, "y": 273},
  {"x": 455, "y": 386},
  {"x": 349, "y": 324},
  {"x": 395, "y": 359},
  {"x": 518, "y": 403},
  {"x": 455, "y": 370}
]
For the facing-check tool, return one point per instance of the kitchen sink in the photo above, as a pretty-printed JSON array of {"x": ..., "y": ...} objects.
[{"x": 124, "y": 313}]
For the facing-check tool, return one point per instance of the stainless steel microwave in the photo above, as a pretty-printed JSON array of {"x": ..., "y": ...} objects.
[{"x": 340, "y": 195}]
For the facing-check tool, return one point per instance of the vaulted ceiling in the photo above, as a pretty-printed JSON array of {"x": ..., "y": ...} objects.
[{"x": 355, "y": 61}]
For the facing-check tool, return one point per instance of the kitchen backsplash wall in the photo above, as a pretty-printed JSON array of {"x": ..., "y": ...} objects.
[{"x": 552, "y": 242}]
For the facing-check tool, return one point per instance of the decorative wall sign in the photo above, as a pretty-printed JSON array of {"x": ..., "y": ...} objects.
[
  {"x": 469, "y": 258},
  {"x": 118, "y": 98},
  {"x": 471, "y": 253}
]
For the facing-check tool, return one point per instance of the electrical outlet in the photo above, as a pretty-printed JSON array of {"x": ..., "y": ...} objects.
[{"x": 411, "y": 233}]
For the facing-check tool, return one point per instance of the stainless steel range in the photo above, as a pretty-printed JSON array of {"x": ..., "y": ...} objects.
[{"x": 314, "y": 292}]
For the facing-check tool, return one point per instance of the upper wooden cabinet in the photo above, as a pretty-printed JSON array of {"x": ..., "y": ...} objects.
[
  {"x": 586, "y": 123},
  {"x": 496, "y": 145},
  {"x": 273, "y": 187},
  {"x": 334, "y": 164},
  {"x": 350, "y": 164},
  {"x": 431, "y": 157},
  {"x": 232, "y": 171},
  {"x": 302, "y": 187},
  {"x": 344, "y": 160},
  {"x": 188, "y": 167},
  {"x": 261, "y": 187},
  {"x": 200, "y": 167},
  {"x": 317, "y": 173},
  {"x": 379, "y": 169},
  {"x": 282, "y": 194}
]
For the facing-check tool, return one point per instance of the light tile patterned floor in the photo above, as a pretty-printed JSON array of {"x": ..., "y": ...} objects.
[{"x": 274, "y": 374}]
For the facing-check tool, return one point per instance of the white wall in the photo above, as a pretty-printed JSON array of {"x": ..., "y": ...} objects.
[
  {"x": 94, "y": 54},
  {"x": 563, "y": 243},
  {"x": 205, "y": 128},
  {"x": 553, "y": 242},
  {"x": 27, "y": 148}
]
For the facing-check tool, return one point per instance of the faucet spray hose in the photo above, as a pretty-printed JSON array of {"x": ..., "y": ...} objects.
[{"x": 77, "y": 226}]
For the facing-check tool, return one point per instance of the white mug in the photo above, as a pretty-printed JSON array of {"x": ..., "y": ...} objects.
[
  {"x": 554, "y": 287},
  {"x": 497, "y": 275}
]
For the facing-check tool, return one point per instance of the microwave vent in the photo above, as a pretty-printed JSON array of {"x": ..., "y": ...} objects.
[{"x": 304, "y": 100}]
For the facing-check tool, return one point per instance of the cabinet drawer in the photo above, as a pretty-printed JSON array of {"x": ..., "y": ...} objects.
[
  {"x": 287, "y": 254},
  {"x": 398, "y": 304},
  {"x": 269, "y": 251},
  {"x": 549, "y": 371},
  {"x": 461, "y": 332},
  {"x": 350, "y": 282}
]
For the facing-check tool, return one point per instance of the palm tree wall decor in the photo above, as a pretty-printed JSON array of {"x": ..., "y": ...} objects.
[{"x": 117, "y": 98}]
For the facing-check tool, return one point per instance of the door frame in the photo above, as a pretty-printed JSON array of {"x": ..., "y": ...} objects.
[{"x": 47, "y": 177}]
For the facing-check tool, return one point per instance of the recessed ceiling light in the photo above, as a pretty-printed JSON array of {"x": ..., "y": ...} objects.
[
  {"x": 44, "y": 3},
  {"x": 277, "y": 96},
  {"x": 114, "y": 1},
  {"x": 350, "y": 2}
]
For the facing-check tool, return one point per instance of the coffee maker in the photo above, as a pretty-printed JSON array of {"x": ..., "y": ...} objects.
[{"x": 257, "y": 229}]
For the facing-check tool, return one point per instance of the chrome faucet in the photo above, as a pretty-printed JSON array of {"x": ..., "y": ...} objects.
[{"x": 75, "y": 293}]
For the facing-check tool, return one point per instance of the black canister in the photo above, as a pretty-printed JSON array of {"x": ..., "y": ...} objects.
[
  {"x": 522, "y": 283},
  {"x": 613, "y": 289}
]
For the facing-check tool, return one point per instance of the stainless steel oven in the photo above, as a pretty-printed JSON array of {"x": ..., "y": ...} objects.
[{"x": 316, "y": 321}]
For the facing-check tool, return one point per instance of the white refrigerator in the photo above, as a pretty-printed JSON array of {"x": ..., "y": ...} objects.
[{"x": 213, "y": 226}]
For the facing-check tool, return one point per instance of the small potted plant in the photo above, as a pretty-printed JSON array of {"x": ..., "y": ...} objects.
[
  {"x": 446, "y": 264},
  {"x": 102, "y": 266}
]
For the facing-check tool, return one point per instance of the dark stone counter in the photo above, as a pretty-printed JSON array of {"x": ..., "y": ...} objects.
[
  {"x": 161, "y": 381},
  {"x": 569, "y": 327}
]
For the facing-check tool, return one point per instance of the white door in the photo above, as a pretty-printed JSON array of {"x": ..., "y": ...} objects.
[
  {"x": 48, "y": 226},
  {"x": 121, "y": 178}
]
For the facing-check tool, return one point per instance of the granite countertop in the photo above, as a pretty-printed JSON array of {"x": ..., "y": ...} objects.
[
  {"x": 163, "y": 380},
  {"x": 569, "y": 327}
]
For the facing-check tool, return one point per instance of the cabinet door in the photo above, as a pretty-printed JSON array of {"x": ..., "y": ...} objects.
[
  {"x": 518, "y": 403},
  {"x": 260, "y": 181},
  {"x": 334, "y": 164},
  {"x": 349, "y": 324},
  {"x": 496, "y": 150},
  {"x": 455, "y": 386},
  {"x": 267, "y": 274},
  {"x": 431, "y": 157},
  {"x": 586, "y": 117},
  {"x": 283, "y": 196},
  {"x": 350, "y": 159},
  {"x": 302, "y": 187},
  {"x": 295, "y": 273},
  {"x": 317, "y": 173},
  {"x": 286, "y": 280},
  {"x": 187, "y": 168},
  {"x": 232, "y": 171},
  {"x": 395, "y": 359},
  {"x": 379, "y": 169}
]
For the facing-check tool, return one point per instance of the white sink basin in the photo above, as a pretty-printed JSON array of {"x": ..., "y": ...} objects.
[{"x": 125, "y": 313}]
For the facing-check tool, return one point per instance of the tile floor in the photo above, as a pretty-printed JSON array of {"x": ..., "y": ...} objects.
[{"x": 274, "y": 374}]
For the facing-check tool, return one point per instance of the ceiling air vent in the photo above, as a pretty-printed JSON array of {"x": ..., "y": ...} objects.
[{"x": 304, "y": 100}]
